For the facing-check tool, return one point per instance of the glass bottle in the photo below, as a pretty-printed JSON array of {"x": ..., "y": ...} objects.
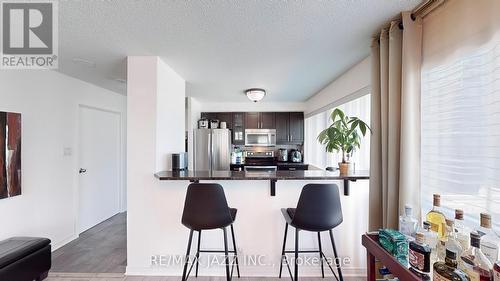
[
  {"x": 447, "y": 271},
  {"x": 462, "y": 231},
  {"x": 489, "y": 240},
  {"x": 419, "y": 255},
  {"x": 474, "y": 263},
  {"x": 431, "y": 239},
  {"x": 436, "y": 217},
  {"x": 496, "y": 271},
  {"x": 452, "y": 243},
  {"x": 408, "y": 224}
]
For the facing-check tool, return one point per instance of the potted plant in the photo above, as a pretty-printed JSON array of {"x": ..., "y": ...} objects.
[{"x": 343, "y": 135}]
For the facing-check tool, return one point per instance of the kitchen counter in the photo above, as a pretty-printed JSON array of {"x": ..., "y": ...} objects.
[{"x": 273, "y": 177}]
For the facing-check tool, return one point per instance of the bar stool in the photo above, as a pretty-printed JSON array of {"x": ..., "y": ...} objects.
[
  {"x": 206, "y": 208},
  {"x": 318, "y": 210}
]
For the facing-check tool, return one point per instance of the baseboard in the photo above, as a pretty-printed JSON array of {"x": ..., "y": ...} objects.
[
  {"x": 85, "y": 275},
  {"x": 63, "y": 242},
  {"x": 248, "y": 271}
]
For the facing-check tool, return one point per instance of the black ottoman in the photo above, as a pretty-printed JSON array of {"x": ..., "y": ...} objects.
[{"x": 24, "y": 259}]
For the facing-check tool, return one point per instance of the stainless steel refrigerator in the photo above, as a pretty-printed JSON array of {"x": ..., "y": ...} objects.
[{"x": 212, "y": 149}]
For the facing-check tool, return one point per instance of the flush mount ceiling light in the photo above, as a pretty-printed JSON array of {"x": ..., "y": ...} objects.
[{"x": 255, "y": 94}]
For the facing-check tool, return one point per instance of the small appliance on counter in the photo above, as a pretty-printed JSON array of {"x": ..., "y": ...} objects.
[
  {"x": 223, "y": 125},
  {"x": 203, "y": 123},
  {"x": 179, "y": 161},
  {"x": 282, "y": 155},
  {"x": 295, "y": 156},
  {"x": 214, "y": 124}
]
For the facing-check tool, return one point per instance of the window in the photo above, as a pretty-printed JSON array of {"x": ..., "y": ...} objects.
[
  {"x": 315, "y": 152},
  {"x": 460, "y": 144}
]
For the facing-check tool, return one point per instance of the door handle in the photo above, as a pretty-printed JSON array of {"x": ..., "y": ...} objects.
[{"x": 82, "y": 170}]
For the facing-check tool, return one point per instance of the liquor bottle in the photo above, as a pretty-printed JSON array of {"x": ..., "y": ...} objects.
[
  {"x": 436, "y": 217},
  {"x": 447, "y": 271},
  {"x": 496, "y": 271},
  {"x": 408, "y": 224},
  {"x": 419, "y": 255},
  {"x": 474, "y": 263},
  {"x": 489, "y": 240},
  {"x": 452, "y": 242},
  {"x": 462, "y": 231},
  {"x": 431, "y": 239}
]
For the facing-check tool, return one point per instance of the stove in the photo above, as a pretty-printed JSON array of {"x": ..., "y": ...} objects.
[{"x": 260, "y": 161}]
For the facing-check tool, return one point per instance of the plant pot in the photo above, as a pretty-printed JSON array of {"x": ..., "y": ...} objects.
[{"x": 344, "y": 168}]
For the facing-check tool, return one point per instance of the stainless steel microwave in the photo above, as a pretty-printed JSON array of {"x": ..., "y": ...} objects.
[{"x": 260, "y": 137}]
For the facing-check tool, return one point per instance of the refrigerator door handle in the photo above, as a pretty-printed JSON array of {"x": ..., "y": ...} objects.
[{"x": 210, "y": 151}]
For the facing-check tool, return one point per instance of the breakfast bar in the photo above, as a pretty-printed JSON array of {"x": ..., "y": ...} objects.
[{"x": 272, "y": 177}]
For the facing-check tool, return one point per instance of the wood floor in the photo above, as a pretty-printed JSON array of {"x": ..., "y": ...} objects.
[
  {"x": 99, "y": 254},
  {"x": 103, "y": 248}
]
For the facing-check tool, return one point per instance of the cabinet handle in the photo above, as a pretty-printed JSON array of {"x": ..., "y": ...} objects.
[{"x": 291, "y": 138}]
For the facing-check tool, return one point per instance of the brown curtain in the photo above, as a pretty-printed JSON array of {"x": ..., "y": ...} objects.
[{"x": 395, "y": 121}]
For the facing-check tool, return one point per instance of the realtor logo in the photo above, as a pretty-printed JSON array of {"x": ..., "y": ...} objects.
[{"x": 29, "y": 35}]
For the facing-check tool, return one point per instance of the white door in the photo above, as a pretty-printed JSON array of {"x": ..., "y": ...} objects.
[{"x": 99, "y": 154}]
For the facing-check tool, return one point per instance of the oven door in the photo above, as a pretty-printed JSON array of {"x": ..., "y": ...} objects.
[
  {"x": 261, "y": 169},
  {"x": 260, "y": 137}
]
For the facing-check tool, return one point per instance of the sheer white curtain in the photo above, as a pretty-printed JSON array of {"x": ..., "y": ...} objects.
[
  {"x": 314, "y": 152},
  {"x": 460, "y": 145},
  {"x": 461, "y": 134}
]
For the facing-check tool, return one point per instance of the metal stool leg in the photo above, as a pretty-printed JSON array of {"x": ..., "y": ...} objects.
[
  {"x": 228, "y": 277},
  {"x": 198, "y": 253},
  {"x": 337, "y": 262},
  {"x": 184, "y": 277},
  {"x": 321, "y": 256},
  {"x": 235, "y": 252},
  {"x": 283, "y": 249},
  {"x": 296, "y": 270}
]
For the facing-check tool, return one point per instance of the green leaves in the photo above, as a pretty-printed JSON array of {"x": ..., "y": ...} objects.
[{"x": 343, "y": 134}]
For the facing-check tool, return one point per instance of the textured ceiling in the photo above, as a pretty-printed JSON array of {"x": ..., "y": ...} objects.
[{"x": 291, "y": 48}]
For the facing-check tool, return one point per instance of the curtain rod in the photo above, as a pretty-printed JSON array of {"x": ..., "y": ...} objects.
[
  {"x": 425, "y": 8},
  {"x": 421, "y": 10}
]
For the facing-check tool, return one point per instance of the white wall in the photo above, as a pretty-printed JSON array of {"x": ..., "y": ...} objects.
[
  {"x": 48, "y": 102},
  {"x": 155, "y": 110},
  {"x": 193, "y": 113},
  {"x": 170, "y": 110},
  {"x": 258, "y": 229},
  {"x": 355, "y": 81}
]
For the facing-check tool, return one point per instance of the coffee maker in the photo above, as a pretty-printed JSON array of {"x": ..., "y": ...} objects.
[
  {"x": 295, "y": 156},
  {"x": 282, "y": 155}
]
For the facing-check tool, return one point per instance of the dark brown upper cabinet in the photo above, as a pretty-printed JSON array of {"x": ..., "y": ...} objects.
[
  {"x": 267, "y": 120},
  {"x": 282, "y": 125},
  {"x": 252, "y": 120},
  {"x": 225, "y": 117},
  {"x": 260, "y": 120},
  {"x": 289, "y": 125},
  {"x": 289, "y": 128},
  {"x": 221, "y": 116},
  {"x": 238, "y": 128},
  {"x": 296, "y": 127}
]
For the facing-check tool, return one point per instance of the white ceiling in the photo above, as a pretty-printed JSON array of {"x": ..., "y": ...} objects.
[{"x": 291, "y": 48}]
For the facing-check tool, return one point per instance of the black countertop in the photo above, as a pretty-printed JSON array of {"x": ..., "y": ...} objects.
[{"x": 278, "y": 175}]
